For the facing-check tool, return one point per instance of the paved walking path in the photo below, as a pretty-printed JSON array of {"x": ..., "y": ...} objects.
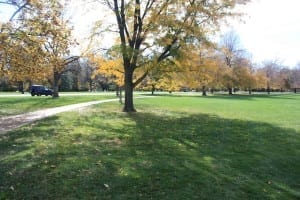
[{"x": 15, "y": 121}]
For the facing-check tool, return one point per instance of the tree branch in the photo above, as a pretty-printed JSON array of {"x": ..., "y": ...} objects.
[
  {"x": 166, "y": 52},
  {"x": 139, "y": 80},
  {"x": 71, "y": 59},
  {"x": 19, "y": 9},
  {"x": 148, "y": 7}
]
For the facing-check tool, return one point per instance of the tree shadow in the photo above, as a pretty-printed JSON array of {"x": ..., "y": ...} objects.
[{"x": 149, "y": 156}]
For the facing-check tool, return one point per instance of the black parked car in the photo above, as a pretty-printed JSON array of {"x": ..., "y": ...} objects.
[{"x": 40, "y": 90}]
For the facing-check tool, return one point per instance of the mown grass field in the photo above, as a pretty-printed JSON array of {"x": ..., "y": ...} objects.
[
  {"x": 12, "y": 105},
  {"x": 175, "y": 147}
]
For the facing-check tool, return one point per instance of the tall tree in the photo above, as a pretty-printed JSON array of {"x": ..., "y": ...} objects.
[
  {"x": 21, "y": 54},
  {"x": 159, "y": 28},
  {"x": 57, "y": 40},
  {"x": 244, "y": 75},
  {"x": 271, "y": 69},
  {"x": 45, "y": 23},
  {"x": 88, "y": 74},
  {"x": 284, "y": 81},
  {"x": 7, "y": 33},
  {"x": 160, "y": 76},
  {"x": 199, "y": 66},
  {"x": 295, "y": 78},
  {"x": 231, "y": 52}
]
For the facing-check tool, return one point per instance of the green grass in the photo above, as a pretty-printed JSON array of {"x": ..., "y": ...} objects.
[
  {"x": 21, "y": 104},
  {"x": 281, "y": 110},
  {"x": 174, "y": 148}
]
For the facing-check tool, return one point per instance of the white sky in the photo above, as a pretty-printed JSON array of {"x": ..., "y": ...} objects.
[{"x": 271, "y": 29}]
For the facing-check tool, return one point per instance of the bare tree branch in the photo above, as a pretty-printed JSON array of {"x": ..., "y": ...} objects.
[{"x": 18, "y": 10}]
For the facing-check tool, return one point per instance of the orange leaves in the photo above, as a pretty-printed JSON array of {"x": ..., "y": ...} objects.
[
  {"x": 111, "y": 68},
  {"x": 169, "y": 82},
  {"x": 37, "y": 44},
  {"x": 198, "y": 67}
]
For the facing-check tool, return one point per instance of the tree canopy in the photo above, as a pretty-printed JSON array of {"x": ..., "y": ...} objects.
[
  {"x": 158, "y": 29},
  {"x": 37, "y": 43}
]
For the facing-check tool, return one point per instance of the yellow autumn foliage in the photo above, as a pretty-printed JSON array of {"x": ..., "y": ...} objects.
[{"x": 113, "y": 69}]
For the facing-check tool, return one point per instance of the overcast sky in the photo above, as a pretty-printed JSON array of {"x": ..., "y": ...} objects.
[{"x": 271, "y": 29}]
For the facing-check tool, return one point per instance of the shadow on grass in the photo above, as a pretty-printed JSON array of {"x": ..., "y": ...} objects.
[{"x": 149, "y": 156}]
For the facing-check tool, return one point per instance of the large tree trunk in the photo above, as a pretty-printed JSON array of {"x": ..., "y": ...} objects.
[
  {"x": 204, "y": 91},
  {"x": 117, "y": 91},
  {"x": 268, "y": 90},
  {"x": 128, "y": 107},
  {"x": 230, "y": 91},
  {"x": 120, "y": 95},
  {"x": 56, "y": 77},
  {"x": 21, "y": 86},
  {"x": 91, "y": 85},
  {"x": 250, "y": 91},
  {"x": 152, "y": 89}
]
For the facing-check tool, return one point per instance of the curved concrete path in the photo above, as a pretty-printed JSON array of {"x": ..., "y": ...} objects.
[{"x": 15, "y": 121}]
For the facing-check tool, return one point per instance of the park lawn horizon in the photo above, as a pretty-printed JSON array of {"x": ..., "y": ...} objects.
[{"x": 174, "y": 147}]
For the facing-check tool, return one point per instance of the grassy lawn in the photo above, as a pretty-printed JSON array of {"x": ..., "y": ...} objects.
[
  {"x": 11, "y": 105},
  {"x": 216, "y": 147}
]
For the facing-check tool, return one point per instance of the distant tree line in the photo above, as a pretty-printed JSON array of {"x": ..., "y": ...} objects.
[
  {"x": 202, "y": 70},
  {"x": 35, "y": 49}
]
